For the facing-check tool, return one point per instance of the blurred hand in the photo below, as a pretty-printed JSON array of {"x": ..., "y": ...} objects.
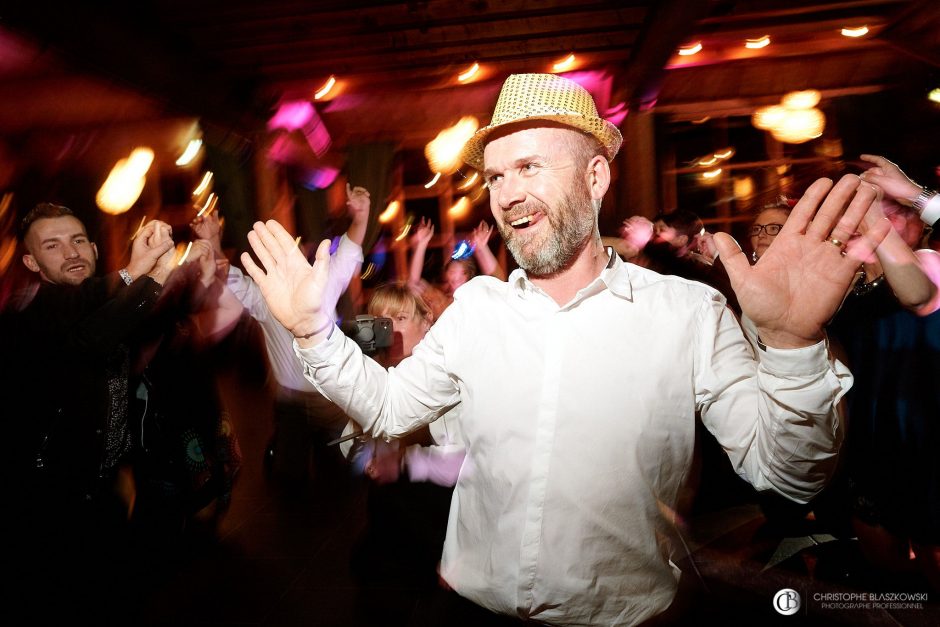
[
  {"x": 480, "y": 236},
  {"x": 207, "y": 227},
  {"x": 636, "y": 231},
  {"x": 357, "y": 202},
  {"x": 424, "y": 231},
  {"x": 201, "y": 254},
  {"x": 153, "y": 241},
  {"x": 385, "y": 465},
  {"x": 889, "y": 178}
]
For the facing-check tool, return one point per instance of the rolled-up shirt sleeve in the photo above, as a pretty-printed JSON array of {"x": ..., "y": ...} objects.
[{"x": 792, "y": 446}]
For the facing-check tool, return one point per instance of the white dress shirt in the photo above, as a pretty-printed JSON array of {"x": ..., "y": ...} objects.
[
  {"x": 344, "y": 262},
  {"x": 579, "y": 426}
]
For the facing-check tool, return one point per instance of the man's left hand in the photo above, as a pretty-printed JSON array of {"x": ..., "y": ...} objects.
[{"x": 800, "y": 282}]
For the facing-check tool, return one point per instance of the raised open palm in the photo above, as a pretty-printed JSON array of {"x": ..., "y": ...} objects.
[
  {"x": 292, "y": 288},
  {"x": 799, "y": 283}
]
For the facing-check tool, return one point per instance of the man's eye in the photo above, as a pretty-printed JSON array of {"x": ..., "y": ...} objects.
[{"x": 493, "y": 180}]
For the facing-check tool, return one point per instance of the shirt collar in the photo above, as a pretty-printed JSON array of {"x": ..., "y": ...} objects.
[{"x": 615, "y": 277}]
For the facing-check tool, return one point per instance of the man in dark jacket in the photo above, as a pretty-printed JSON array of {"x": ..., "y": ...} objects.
[{"x": 67, "y": 389}]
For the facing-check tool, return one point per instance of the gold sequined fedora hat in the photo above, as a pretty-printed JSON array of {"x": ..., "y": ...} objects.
[{"x": 544, "y": 97}]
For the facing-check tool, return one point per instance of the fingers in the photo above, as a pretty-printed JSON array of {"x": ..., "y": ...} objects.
[
  {"x": 805, "y": 209},
  {"x": 261, "y": 247},
  {"x": 276, "y": 238},
  {"x": 321, "y": 264},
  {"x": 834, "y": 207},
  {"x": 257, "y": 274},
  {"x": 878, "y": 160},
  {"x": 866, "y": 196},
  {"x": 733, "y": 258},
  {"x": 860, "y": 249}
]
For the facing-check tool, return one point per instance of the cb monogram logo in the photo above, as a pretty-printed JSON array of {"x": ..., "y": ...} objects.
[{"x": 787, "y": 601}]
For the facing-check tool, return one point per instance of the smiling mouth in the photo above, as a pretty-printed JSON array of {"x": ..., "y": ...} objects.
[{"x": 524, "y": 221}]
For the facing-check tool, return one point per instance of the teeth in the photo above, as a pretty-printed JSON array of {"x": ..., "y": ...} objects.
[{"x": 522, "y": 220}]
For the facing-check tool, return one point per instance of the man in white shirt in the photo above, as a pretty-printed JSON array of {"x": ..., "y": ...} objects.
[{"x": 580, "y": 378}]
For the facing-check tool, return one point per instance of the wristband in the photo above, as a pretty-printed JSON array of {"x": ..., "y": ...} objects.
[
  {"x": 125, "y": 276},
  {"x": 328, "y": 324}
]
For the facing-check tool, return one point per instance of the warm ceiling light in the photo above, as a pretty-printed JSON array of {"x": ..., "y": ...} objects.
[
  {"x": 708, "y": 161},
  {"x": 460, "y": 208},
  {"x": 801, "y": 99},
  {"x": 934, "y": 95},
  {"x": 565, "y": 64},
  {"x": 125, "y": 182},
  {"x": 711, "y": 174},
  {"x": 760, "y": 42},
  {"x": 470, "y": 73},
  {"x": 443, "y": 152},
  {"x": 800, "y": 126},
  {"x": 323, "y": 91},
  {"x": 431, "y": 183},
  {"x": 767, "y": 118},
  {"x": 727, "y": 153},
  {"x": 859, "y": 31},
  {"x": 688, "y": 51},
  {"x": 192, "y": 149},
  {"x": 390, "y": 212}
]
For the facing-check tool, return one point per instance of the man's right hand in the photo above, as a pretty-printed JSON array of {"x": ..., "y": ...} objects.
[
  {"x": 292, "y": 288},
  {"x": 153, "y": 241}
]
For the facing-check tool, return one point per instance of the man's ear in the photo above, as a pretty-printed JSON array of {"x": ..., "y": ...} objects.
[
  {"x": 30, "y": 262},
  {"x": 94, "y": 247},
  {"x": 598, "y": 177}
]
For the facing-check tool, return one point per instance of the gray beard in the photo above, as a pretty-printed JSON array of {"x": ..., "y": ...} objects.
[{"x": 573, "y": 224}]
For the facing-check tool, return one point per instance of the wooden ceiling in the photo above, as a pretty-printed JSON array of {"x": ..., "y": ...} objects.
[{"x": 68, "y": 67}]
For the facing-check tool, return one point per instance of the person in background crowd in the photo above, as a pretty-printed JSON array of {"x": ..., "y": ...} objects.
[
  {"x": 304, "y": 419},
  {"x": 456, "y": 271},
  {"x": 411, "y": 481},
  {"x": 888, "y": 328},
  {"x": 65, "y": 380},
  {"x": 767, "y": 224}
]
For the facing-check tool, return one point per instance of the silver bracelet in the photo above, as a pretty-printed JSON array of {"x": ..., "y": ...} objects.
[
  {"x": 920, "y": 203},
  {"x": 125, "y": 276}
]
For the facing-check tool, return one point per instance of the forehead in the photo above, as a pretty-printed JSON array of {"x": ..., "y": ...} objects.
[
  {"x": 525, "y": 141},
  {"x": 53, "y": 228},
  {"x": 771, "y": 216}
]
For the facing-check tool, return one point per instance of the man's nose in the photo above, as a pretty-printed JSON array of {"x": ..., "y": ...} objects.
[
  {"x": 511, "y": 192},
  {"x": 70, "y": 251}
]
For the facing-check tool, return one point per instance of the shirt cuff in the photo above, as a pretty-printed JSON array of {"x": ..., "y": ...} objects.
[
  {"x": 321, "y": 353},
  {"x": 931, "y": 212},
  {"x": 795, "y": 362}
]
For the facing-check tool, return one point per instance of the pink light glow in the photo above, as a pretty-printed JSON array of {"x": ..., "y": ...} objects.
[
  {"x": 292, "y": 115},
  {"x": 320, "y": 178}
]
